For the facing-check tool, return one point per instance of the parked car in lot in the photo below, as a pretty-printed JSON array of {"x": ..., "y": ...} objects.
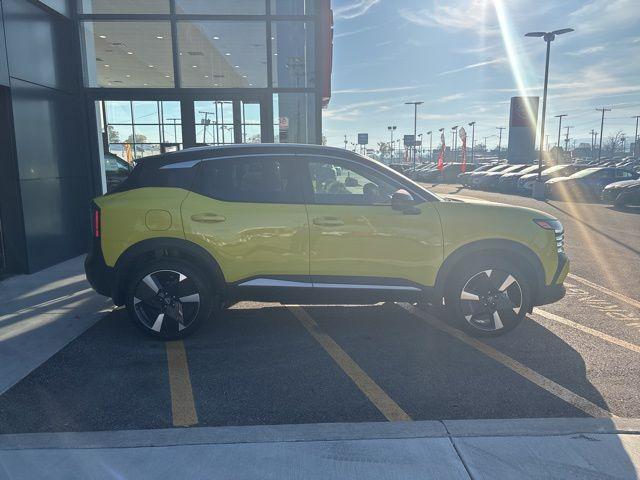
[
  {"x": 626, "y": 192},
  {"x": 508, "y": 182},
  {"x": 587, "y": 184},
  {"x": 525, "y": 182},
  {"x": 191, "y": 232},
  {"x": 463, "y": 178},
  {"x": 490, "y": 179},
  {"x": 448, "y": 174},
  {"x": 475, "y": 177},
  {"x": 116, "y": 170}
]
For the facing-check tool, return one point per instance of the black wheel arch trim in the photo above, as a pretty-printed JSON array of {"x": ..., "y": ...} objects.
[
  {"x": 188, "y": 248},
  {"x": 491, "y": 245}
]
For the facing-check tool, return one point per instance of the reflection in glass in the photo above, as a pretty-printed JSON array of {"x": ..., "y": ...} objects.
[
  {"x": 251, "y": 131},
  {"x": 223, "y": 54},
  {"x": 293, "y": 54},
  {"x": 127, "y": 54},
  {"x": 123, "y": 6},
  {"x": 294, "y": 118},
  {"x": 214, "y": 122},
  {"x": 291, "y": 7},
  {"x": 221, "y": 7}
]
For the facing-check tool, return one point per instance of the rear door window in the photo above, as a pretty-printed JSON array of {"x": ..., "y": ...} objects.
[{"x": 250, "y": 179}]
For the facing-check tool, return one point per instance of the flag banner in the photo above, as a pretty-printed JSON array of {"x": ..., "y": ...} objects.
[
  {"x": 463, "y": 137},
  {"x": 442, "y": 150}
]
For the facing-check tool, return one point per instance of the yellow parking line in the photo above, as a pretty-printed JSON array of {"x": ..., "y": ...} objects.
[
  {"x": 183, "y": 408},
  {"x": 607, "y": 338},
  {"x": 619, "y": 296},
  {"x": 390, "y": 409},
  {"x": 543, "y": 382}
]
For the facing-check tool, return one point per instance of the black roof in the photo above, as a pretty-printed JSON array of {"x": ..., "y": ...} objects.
[{"x": 196, "y": 153}]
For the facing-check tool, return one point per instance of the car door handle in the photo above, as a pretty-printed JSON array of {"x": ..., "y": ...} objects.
[
  {"x": 328, "y": 222},
  {"x": 208, "y": 218}
]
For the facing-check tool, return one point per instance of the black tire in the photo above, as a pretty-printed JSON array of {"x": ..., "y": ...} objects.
[
  {"x": 483, "y": 287},
  {"x": 621, "y": 200},
  {"x": 162, "y": 292}
]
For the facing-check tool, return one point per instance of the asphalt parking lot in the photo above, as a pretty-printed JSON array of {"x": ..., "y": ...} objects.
[{"x": 267, "y": 364}]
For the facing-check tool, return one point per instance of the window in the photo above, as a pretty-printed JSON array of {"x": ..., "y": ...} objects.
[
  {"x": 293, "y": 54},
  {"x": 623, "y": 174},
  {"x": 264, "y": 180},
  {"x": 222, "y": 7},
  {"x": 251, "y": 130},
  {"x": 348, "y": 184},
  {"x": 127, "y": 54},
  {"x": 291, "y": 7},
  {"x": 294, "y": 118},
  {"x": 214, "y": 122},
  {"x": 223, "y": 54},
  {"x": 123, "y": 6}
]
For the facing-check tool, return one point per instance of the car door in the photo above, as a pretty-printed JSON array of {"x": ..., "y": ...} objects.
[
  {"x": 356, "y": 238},
  {"x": 249, "y": 213}
]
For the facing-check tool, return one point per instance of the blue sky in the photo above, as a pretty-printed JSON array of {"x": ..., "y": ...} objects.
[{"x": 466, "y": 58}]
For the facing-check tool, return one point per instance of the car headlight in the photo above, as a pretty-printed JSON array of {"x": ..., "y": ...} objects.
[{"x": 557, "y": 228}]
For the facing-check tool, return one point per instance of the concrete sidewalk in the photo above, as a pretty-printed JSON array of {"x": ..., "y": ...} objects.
[
  {"x": 460, "y": 449},
  {"x": 41, "y": 313}
]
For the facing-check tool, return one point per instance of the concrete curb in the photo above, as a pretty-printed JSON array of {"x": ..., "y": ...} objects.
[{"x": 320, "y": 433}]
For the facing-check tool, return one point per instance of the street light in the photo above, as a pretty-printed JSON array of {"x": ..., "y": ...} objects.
[
  {"x": 392, "y": 129},
  {"x": 415, "y": 128},
  {"x": 635, "y": 138},
  {"x": 473, "y": 138},
  {"x": 559, "y": 132},
  {"x": 538, "y": 187},
  {"x": 430, "y": 133},
  {"x": 455, "y": 142}
]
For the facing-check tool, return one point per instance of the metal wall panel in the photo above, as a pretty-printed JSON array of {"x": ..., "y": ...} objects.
[{"x": 4, "y": 69}]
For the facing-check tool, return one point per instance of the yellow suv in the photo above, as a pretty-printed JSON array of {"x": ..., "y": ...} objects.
[{"x": 191, "y": 232}]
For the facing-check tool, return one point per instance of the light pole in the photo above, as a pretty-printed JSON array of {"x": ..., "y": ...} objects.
[
  {"x": 430, "y": 133},
  {"x": 415, "y": 128},
  {"x": 635, "y": 138},
  {"x": 538, "y": 188},
  {"x": 559, "y": 131},
  {"x": 473, "y": 139},
  {"x": 500, "y": 141},
  {"x": 392, "y": 129},
  {"x": 421, "y": 159},
  {"x": 601, "y": 128},
  {"x": 455, "y": 142}
]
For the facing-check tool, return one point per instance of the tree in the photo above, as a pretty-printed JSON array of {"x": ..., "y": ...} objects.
[
  {"x": 112, "y": 134},
  {"x": 613, "y": 142},
  {"x": 384, "y": 148}
]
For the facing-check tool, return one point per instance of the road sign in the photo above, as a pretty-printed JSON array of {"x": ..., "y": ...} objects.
[
  {"x": 283, "y": 123},
  {"x": 409, "y": 140},
  {"x": 363, "y": 139}
]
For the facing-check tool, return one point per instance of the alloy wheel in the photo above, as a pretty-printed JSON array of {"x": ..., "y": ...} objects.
[
  {"x": 166, "y": 301},
  {"x": 491, "y": 299}
]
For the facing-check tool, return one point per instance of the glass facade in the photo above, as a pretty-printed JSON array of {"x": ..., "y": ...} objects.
[{"x": 169, "y": 74}]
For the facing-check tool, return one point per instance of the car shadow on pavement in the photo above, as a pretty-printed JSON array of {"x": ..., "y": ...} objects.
[{"x": 626, "y": 209}]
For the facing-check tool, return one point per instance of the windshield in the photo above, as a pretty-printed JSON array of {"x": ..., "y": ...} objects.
[
  {"x": 554, "y": 169},
  {"x": 585, "y": 172}
]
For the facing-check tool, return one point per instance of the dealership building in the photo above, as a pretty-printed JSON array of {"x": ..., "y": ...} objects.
[{"x": 89, "y": 87}]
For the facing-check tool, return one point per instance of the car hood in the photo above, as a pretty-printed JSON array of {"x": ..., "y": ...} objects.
[
  {"x": 622, "y": 184},
  {"x": 497, "y": 205}
]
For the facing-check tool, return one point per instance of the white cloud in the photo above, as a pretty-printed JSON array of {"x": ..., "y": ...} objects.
[
  {"x": 354, "y": 9},
  {"x": 475, "y": 65},
  {"x": 376, "y": 90},
  {"x": 586, "y": 51},
  {"x": 450, "y": 98},
  {"x": 605, "y": 14},
  {"x": 461, "y": 15},
  {"x": 354, "y": 32}
]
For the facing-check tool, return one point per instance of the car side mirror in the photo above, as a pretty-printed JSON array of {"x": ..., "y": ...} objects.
[{"x": 402, "y": 201}]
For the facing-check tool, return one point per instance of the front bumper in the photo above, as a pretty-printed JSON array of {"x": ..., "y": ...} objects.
[{"x": 556, "y": 290}]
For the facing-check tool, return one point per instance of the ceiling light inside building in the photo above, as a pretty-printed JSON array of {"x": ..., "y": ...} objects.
[
  {"x": 227, "y": 54},
  {"x": 129, "y": 53},
  {"x": 216, "y": 38},
  {"x": 159, "y": 37},
  {"x": 102, "y": 36}
]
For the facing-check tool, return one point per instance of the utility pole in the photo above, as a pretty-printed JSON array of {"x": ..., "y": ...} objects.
[
  {"x": 175, "y": 128},
  {"x": 430, "y": 133},
  {"x": 601, "y": 128},
  {"x": 455, "y": 142},
  {"x": 566, "y": 139},
  {"x": 500, "y": 142},
  {"x": 345, "y": 141},
  {"x": 559, "y": 132},
  {"x": 473, "y": 139},
  {"x": 635, "y": 138},
  {"x": 205, "y": 123},
  {"x": 592, "y": 132},
  {"x": 547, "y": 149},
  {"x": 415, "y": 128}
]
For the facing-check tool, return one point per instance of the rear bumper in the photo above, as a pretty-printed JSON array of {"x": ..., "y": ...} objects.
[{"x": 99, "y": 275}]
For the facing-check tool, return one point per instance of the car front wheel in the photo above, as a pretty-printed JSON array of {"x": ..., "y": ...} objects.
[
  {"x": 487, "y": 297},
  {"x": 168, "y": 299}
]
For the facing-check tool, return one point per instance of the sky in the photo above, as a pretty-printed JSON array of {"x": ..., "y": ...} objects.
[{"x": 466, "y": 58}]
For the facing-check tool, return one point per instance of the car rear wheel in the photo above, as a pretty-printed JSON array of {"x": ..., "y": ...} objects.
[
  {"x": 168, "y": 299},
  {"x": 487, "y": 297}
]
